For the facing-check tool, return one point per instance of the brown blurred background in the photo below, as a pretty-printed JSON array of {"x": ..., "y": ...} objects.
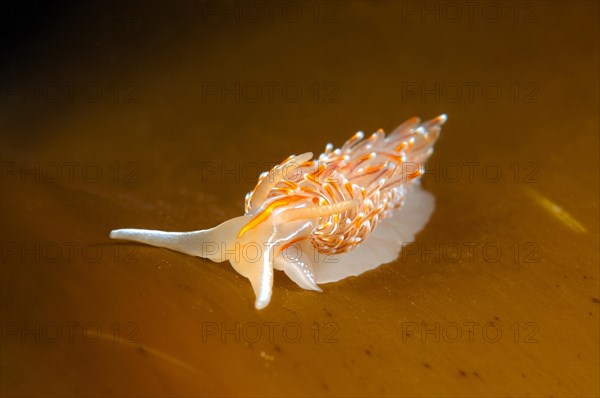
[{"x": 161, "y": 115}]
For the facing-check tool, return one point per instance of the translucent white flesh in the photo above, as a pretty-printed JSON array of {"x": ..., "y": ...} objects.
[
  {"x": 305, "y": 267},
  {"x": 384, "y": 244}
]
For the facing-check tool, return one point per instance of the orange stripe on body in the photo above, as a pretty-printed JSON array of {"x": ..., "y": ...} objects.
[{"x": 264, "y": 214}]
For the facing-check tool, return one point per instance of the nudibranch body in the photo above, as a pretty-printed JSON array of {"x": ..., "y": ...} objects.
[{"x": 321, "y": 220}]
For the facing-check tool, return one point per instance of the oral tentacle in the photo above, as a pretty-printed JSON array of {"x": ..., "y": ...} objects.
[
  {"x": 274, "y": 176},
  {"x": 262, "y": 279},
  {"x": 299, "y": 269}
]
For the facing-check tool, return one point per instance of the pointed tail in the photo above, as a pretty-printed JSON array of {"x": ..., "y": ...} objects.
[
  {"x": 207, "y": 243},
  {"x": 192, "y": 243}
]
